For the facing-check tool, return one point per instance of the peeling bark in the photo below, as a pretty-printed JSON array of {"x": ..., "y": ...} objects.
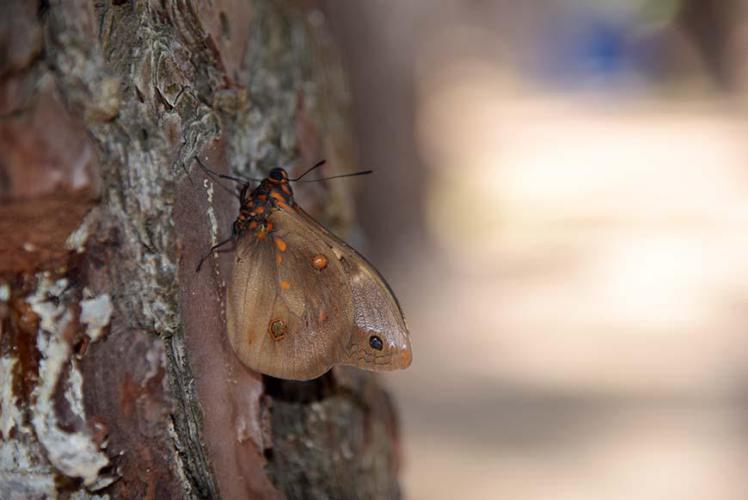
[{"x": 116, "y": 377}]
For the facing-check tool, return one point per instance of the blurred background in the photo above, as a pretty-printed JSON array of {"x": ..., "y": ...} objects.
[{"x": 561, "y": 203}]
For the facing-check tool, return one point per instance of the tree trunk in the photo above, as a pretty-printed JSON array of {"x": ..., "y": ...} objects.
[{"x": 116, "y": 376}]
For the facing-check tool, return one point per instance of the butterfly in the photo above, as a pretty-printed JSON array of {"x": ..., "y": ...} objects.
[{"x": 300, "y": 300}]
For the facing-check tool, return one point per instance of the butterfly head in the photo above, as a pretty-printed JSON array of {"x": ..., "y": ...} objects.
[{"x": 278, "y": 176}]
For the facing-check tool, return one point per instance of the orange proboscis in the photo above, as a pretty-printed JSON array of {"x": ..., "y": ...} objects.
[
  {"x": 285, "y": 189},
  {"x": 280, "y": 244}
]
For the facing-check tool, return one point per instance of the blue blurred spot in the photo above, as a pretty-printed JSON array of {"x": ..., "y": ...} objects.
[{"x": 581, "y": 48}]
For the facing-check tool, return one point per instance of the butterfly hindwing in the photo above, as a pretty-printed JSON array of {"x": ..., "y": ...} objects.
[{"x": 376, "y": 311}]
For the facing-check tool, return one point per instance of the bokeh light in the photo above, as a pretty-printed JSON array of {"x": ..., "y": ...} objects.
[{"x": 579, "y": 301}]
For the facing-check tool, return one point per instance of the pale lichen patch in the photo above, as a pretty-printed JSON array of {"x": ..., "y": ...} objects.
[
  {"x": 209, "y": 189},
  {"x": 96, "y": 314},
  {"x": 10, "y": 416},
  {"x": 21, "y": 474},
  {"x": 75, "y": 454},
  {"x": 49, "y": 312},
  {"x": 76, "y": 240},
  {"x": 74, "y": 390},
  {"x": 81, "y": 495}
]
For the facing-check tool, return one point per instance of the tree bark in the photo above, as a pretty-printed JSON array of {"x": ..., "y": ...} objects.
[{"x": 115, "y": 373}]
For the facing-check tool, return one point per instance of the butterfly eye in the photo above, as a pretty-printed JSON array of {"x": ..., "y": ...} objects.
[
  {"x": 278, "y": 174},
  {"x": 376, "y": 343}
]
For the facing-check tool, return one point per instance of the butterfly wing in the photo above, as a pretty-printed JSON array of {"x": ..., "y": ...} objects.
[
  {"x": 301, "y": 300},
  {"x": 280, "y": 312},
  {"x": 376, "y": 311}
]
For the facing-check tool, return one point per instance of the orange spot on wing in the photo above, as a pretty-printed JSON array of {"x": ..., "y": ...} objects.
[
  {"x": 285, "y": 284},
  {"x": 253, "y": 224},
  {"x": 406, "y": 358},
  {"x": 277, "y": 196},
  {"x": 284, "y": 206},
  {"x": 262, "y": 197},
  {"x": 280, "y": 244},
  {"x": 319, "y": 262},
  {"x": 260, "y": 210}
]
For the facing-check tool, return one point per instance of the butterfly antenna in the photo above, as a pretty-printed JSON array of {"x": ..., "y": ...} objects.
[
  {"x": 354, "y": 174},
  {"x": 222, "y": 176},
  {"x": 319, "y": 164},
  {"x": 315, "y": 166}
]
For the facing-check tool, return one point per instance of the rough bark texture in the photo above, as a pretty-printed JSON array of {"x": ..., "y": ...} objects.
[{"x": 115, "y": 374}]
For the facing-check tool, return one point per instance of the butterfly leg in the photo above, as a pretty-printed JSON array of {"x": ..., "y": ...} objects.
[{"x": 215, "y": 248}]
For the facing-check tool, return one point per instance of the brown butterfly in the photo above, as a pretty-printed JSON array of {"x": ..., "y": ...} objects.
[{"x": 300, "y": 300}]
